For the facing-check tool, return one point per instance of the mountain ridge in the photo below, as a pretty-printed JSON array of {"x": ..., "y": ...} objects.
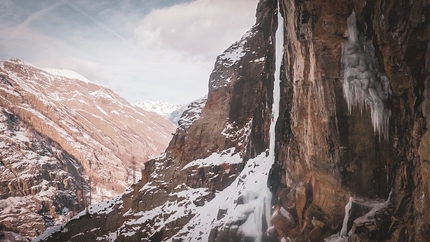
[{"x": 98, "y": 140}]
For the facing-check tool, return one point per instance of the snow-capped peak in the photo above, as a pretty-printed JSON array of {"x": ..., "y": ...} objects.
[
  {"x": 162, "y": 108},
  {"x": 66, "y": 73},
  {"x": 56, "y": 72}
]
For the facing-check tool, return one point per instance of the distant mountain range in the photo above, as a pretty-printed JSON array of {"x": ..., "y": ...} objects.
[{"x": 167, "y": 110}]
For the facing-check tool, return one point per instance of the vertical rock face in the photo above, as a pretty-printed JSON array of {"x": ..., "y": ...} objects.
[
  {"x": 240, "y": 94},
  {"x": 59, "y": 135},
  {"x": 354, "y": 116}
]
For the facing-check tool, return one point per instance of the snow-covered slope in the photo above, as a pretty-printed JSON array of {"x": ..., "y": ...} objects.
[
  {"x": 40, "y": 184},
  {"x": 88, "y": 132},
  {"x": 66, "y": 73}
]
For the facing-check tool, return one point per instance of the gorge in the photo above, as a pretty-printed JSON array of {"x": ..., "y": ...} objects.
[{"x": 351, "y": 148}]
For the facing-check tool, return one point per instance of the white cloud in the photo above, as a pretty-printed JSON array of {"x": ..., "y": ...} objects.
[
  {"x": 166, "y": 54},
  {"x": 200, "y": 29}
]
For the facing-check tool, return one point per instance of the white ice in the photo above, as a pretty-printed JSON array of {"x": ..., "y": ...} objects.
[
  {"x": 264, "y": 199},
  {"x": 363, "y": 84}
]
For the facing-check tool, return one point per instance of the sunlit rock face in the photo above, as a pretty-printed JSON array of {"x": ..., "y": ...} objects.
[
  {"x": 354, "y": 118},
  {"x": 58, "y": 131}
]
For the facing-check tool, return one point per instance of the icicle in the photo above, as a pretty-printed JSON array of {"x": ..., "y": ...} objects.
[
  {"x": 389, "y": 197},
  {"x": 363, "y": 85},
  {"x": 344, "y": 230}
]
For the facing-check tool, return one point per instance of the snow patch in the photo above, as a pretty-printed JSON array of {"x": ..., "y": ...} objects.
[
  {"x": 192, "y": 113},
  {"x": 231, "y": 132},
  {"x": 248, "y": 188},
  {"x": 48, "y": 232},
  {"x": 105, "y": 207},
  {"x": 235, "y": 52},
  {"x": 216, "y": 159}
]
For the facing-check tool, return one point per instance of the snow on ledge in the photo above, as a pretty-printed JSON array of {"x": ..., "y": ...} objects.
[{"x": 216, "y": 159}]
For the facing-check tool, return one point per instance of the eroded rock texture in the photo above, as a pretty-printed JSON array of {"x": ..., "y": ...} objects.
[{"x": 328, "y": 153}]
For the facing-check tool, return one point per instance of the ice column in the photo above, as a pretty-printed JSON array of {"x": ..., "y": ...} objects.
[
  {"x": 363, "y": 84},
  {"x": 275, "y": 109},
  {"x": 344, "y": 230}
]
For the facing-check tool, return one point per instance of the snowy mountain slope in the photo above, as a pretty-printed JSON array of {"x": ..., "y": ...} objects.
[
  {"x": 193, "y": 211},
  {"x": 66, "y": 73},
  {"x": 191, "y": 113},
  {"x": 105, "y": 135},
  {"x": 40, "y": 184}
]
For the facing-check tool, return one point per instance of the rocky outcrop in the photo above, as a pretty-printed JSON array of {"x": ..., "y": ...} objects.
[
  {"x": 354, "y": 116},
  {"x": 65, "y": 143}
]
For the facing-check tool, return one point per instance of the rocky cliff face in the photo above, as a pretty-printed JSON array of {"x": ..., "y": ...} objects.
[
  {"x": 59, "y": 132},
  {"x": 352, "y": 149},
  {"x": 353, "y": 119}
]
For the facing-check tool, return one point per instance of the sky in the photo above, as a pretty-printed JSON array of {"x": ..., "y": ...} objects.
[{"x": 158, "y": 50}]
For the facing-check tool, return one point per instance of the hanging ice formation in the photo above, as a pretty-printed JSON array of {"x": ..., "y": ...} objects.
[
  {"x": 265, "y": 207},
  {"x": 344, "y": 230},
  {"x": 363, "y": 84}
]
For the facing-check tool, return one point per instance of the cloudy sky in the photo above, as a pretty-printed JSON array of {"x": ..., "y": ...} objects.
[{"x": 160, "y": 50}]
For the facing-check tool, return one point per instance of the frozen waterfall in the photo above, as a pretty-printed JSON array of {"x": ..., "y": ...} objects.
[
  {"x": 363, "y": 84},
  {"x": 265, "y": 207}
]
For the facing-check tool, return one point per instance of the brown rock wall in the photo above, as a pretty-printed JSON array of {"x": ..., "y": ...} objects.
[{"x": 335, "y": 150}]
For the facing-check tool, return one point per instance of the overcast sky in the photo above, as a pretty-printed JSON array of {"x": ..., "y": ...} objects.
[{"x": 159, "y": 50}]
